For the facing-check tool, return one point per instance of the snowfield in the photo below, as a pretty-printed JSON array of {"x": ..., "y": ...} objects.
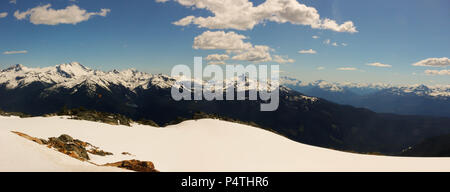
[{"x": 202, "y": 145}]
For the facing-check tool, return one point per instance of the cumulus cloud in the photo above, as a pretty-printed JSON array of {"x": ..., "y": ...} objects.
[
  {"x": 233, "y": 43},
  {"x": 221, "y": 40},
  {"x": 309, "y": 51},
  {"x": 257, "y": 53},
  {"x": 315, "y": 37},
  {"x": 282, "y": 59},
  {"x": 347, "y": 69},
  {"x": 320, "y": 68},
  {"x": 335, "y": 44},
  {"x": 243, "y": 15},
  {"x": 434, "y": 62},
  {"x": 185, "y": 21},
  {"x": 14, "y": 52},
  {"x": 327, "y": 41},
  {"x": 377, "y": 64},
  {"x": 344, "y": 44},
  {"x": 161, "y": 1},
  {"x": 217, "y": 57},
  {"x": 13, "y": 1},
  {"x": 45, "y": 15},
  {"x": 216, "y": 63},
  {"x": 3, "y": 15},
  {"x": 437, "y": 72}
]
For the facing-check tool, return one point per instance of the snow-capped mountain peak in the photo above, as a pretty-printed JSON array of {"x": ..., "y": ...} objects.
[
  {"x": 73, "y": 69},
  {"x": 417, "y": 89},
  {"x": 17, "y": 67}
]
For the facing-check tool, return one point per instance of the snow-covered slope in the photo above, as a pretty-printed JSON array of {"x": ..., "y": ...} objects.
[
  {"x": 19, "y": 154},
  {"x": 202, "y": 145}
]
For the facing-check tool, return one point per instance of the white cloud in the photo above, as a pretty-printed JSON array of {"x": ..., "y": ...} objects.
[
  {"x": 320, "y": 68},
  {"x": 434, "y": 62},
  {"x": 216, "y": 63},
  {"x": 347, "y": 69},
  {"x": 234, "y": 43},
  {"x": 229, "y": 41},
  {"x": 185, "y": 21},
  {"x": 344, "y": 44},
  {"x": 3, "y": 15},
  {"x": 161, "y": 1},
  {"x": 437, "y": 72},
  {"x": 377, "y": 64},
  {"x": 217, "y": 57},
  {"x": 257, "y": 53},
  {"x": 281, "y": 59},
  {"x": 243, "y": 15},
  {"x": 14, "y": 52},
  {"x": 335, "y": 44},
  {"x": 332, "y": 25},
  {"x": 13, "y": 1},
  {"x": 47, "y": 16},
  {"x": 309, "y": 51},
  {"x": 315, "y": 37}
]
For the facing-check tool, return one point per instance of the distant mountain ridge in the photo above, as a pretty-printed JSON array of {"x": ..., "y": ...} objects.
[
  {"x": 367, "y": 88},
  {"x": 143, "y": 96},
  {"x": 383, "y": 98},
  {"x": 74, "y": 74}
]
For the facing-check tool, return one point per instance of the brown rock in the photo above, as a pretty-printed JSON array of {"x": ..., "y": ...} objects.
[
  {"x": 65, "y": 144},
  {"x": 82, "y": 143},
  {"x": 99, "y": 152},
  {"x": 134, "y": 165},
  {"x": 37, "y": 140},
  {"x": 65, "y": 138},
  {"x": 55, "y": 143},
  {"x": 77, "y": 149}
]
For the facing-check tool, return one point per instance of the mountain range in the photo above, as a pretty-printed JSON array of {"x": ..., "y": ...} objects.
[
  {"x": 143, "y": 96},
  {"x": 382, "y": 98}
]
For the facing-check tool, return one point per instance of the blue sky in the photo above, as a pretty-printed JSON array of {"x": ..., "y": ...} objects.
[{"x": 140, "y": 34}]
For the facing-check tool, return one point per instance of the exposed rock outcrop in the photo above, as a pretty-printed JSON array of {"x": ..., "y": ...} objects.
[
  {"x": 99, "y": 152},
  {"x": 37, "y": 140},
  {"x": 134, "y": 165},
  {"x": 79, "y": 150},
  {"x": 66, "y": 144}
]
